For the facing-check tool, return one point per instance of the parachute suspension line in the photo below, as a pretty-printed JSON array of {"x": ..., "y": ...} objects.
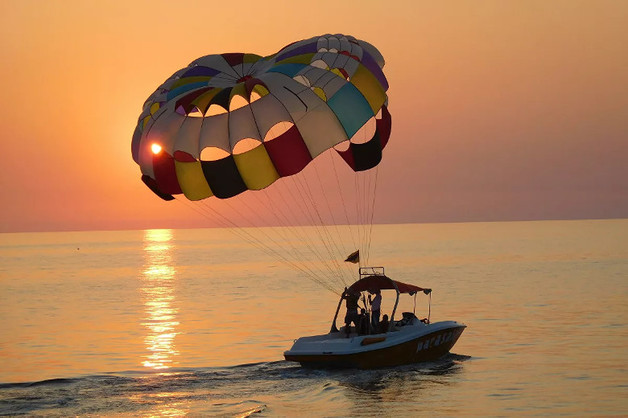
[
  {"x": 273, "y": 241},
  {"x": 368, "y": 177},
  {"x": 368, "y": 186},
  {"x": 224, "y": 222},
  {"x": 372, "y": 211},
  {"x": 300, "y": 230},
  {"x": 359, "y": 208},
  {"x": 302, "y": 234},
  {"x": 357, "y": 214},
  {"x": 255, "y": 241},
  {"x": 297, "y": 256},
  {"x": 284, "y": 222},
  {"x": 344, "y": 269},
  {"x": 295, "y": 230},
  {"x": 248, "y": 237},
  {"x": 317, "y": 225},
  {"x": 344, "y": 205},
  {"x": 341, "y": 251},
  {"x": 361, "y": 212},
  {"x": 365, "y": 184},
  {"x": 305, "y": 191},
  {"x": 350, "y": 225}
]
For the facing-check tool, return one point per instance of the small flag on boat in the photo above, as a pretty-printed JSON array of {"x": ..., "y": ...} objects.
[{"x": 354, "y": 257}]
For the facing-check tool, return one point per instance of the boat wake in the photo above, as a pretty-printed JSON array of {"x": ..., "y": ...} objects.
[{"x": 240, "y": 390}]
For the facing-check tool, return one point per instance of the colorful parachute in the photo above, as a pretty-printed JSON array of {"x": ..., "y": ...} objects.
[{"x": 233, "y": 122}]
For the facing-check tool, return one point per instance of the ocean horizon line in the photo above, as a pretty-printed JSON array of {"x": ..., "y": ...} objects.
[{"x": 191, "y": 227}]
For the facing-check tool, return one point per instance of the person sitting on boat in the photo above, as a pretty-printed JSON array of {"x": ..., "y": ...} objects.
[
  {"x": 376, "y": 305},
  {"x": 352, "y": 315},
  {"x": 383, "y": 326}
]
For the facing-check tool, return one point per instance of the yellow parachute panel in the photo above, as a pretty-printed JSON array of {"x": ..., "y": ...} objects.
[
  {"x": 256, "y": 168},
  {"x": 370, "y": 88},
  {"x": 192, "y": 180}
]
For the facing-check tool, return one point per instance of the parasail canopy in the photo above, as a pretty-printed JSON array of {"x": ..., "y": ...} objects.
[{"x": 233, "y": 122}]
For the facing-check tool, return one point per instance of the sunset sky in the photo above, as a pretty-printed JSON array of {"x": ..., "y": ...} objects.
[{"x": 502, "y": 110}]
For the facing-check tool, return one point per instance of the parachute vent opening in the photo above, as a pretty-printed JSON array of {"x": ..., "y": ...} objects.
[
  {"x": 237, "y": 102},
  {"x": 254, "y": 96},
  {"x": 343, "y": 146},
  {"x": 258, "y": 90},
  {"x": 215, "y": 109},
  {"x": 245, "y": 145},
  {"x": 303, "y": 80},
  {"x": 320, "y": 64},
  {"x": 155, "y": 148},
  {"x": 213, "y": 154},
  {"x": 340, "y": 73},
  {"x": 366, "y": 132},
  {"x": 277, "y": 130},
  {"x": 195, "y": 113}
]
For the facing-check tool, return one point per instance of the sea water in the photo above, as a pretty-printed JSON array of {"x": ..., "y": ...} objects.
[{"x": 195, "y": 322}]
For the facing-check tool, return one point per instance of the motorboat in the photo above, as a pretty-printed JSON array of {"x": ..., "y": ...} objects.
[{"x": 404, "y": 341}]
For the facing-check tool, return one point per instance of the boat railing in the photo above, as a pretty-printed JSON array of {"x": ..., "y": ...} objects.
[{"x": 371, "y": 271}]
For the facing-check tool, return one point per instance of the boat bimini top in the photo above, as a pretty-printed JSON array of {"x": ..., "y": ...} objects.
[{"x": 373, "y": 279}]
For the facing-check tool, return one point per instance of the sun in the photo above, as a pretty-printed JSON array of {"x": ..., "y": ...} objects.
[{"x": 156, "y": 148}]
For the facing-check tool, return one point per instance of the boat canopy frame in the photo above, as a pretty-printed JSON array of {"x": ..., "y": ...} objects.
[{"x": 373, "y": 279}]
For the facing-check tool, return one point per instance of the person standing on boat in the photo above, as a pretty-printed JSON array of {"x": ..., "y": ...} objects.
[
  {"x": 376, "y": 305},
  {"x": 352, "y": 299}
]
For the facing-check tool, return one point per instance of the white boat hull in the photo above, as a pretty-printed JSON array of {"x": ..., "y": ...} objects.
[{"x": 407, "y": 344}]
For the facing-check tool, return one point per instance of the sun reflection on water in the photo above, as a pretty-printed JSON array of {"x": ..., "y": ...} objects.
[{"x": 158, "y": 285}]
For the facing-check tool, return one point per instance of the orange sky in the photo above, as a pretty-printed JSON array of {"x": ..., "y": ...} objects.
[{"x": 501, "y": 110}]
